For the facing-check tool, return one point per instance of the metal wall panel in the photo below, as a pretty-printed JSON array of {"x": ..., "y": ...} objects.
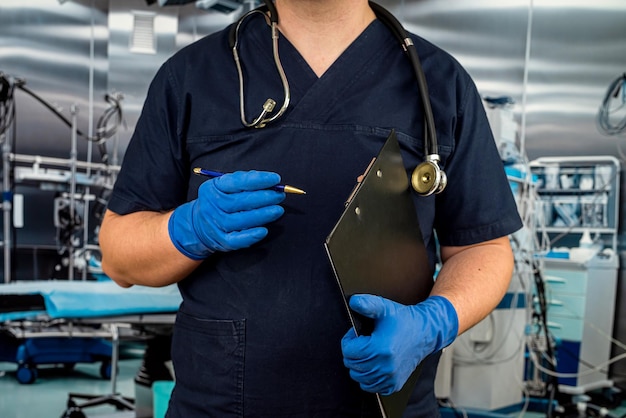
[
  {"x": 576, "y": 49},
  {"x": 61, "y": 52}
]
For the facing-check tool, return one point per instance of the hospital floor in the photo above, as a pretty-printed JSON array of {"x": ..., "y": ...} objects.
[{"x": 47, "y": 397}]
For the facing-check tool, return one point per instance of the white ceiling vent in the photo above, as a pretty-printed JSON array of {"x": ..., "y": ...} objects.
[{"x": 143, "y": 38}]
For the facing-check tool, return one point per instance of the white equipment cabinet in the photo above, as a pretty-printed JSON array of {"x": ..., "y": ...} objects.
[
  {"x": 581, "y": 305},
  {"x": 580, "y": 195}
]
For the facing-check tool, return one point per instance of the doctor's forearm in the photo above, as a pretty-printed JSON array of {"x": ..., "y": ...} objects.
[
  {"x": 136, "y": 249},
  {"x": 475, "y": 278}
]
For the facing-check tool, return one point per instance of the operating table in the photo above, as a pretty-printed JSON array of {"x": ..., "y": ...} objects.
[{"x": 68, "y": 322}]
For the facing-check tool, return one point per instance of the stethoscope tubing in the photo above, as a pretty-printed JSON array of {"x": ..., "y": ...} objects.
[
  {"x": 409, "y": 47},
  {"x": 269, "y": 105},
  {"x": 427, "y": 178}
]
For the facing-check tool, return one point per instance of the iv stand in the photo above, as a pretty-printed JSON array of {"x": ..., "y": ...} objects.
[
  {"x": 7, "y": 205},
  {"x": 73, "y": 156}
]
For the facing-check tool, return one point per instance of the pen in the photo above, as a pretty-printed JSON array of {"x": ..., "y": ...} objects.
[{"x": 281, "y": 187}]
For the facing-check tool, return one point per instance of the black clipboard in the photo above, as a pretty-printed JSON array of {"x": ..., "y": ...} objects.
[{"x": 376, "y": 247}]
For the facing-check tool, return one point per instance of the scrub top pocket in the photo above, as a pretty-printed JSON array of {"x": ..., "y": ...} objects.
[{"x": 209, "y": 367}]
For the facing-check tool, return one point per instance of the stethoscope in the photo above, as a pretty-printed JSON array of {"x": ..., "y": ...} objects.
[{"x": 427, "y": 178}]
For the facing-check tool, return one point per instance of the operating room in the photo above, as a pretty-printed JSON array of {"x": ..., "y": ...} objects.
[{"x": 74, "y": 77}]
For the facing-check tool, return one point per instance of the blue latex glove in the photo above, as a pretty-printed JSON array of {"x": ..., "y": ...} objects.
[
  {"x": 228, "y": 214},
  {"x": 403, "y": 336}
]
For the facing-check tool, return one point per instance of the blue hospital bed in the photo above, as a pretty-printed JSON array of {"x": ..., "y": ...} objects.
[{"x": 69, "y": 322}]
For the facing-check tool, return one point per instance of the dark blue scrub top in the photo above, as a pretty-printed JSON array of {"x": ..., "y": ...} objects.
[{"x": 259, "y": 329}]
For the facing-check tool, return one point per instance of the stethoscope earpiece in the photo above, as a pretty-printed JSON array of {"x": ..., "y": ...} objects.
[{"x": 427, "y": 178}]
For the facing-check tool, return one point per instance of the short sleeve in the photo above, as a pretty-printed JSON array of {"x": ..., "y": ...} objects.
[
  {"x": 152, "y": 176},
  {"x": 477, "y": 204}
]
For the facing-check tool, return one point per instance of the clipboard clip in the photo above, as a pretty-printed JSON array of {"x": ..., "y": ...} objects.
[{"x": 357, "y": 186}]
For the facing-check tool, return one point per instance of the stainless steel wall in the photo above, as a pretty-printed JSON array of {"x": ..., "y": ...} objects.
[
  {"x": 576, "y": 48},
  {"x": 555, "y": 58},
  {"x": 74, "y": 52},
  {"x": 61, "y": 52}
]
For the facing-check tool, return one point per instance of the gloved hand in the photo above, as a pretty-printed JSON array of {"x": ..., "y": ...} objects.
[
  {"x": 403, "y": 336},
  {"x": 228, "y": 214}
]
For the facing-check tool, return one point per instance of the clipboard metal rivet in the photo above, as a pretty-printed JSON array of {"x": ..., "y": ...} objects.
[
  {"x": 379, "y": 173},
  {"x": 357, "y": 210}
]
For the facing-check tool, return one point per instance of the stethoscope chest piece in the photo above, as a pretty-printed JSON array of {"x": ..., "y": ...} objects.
[{"x": 427, "y": 178}]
